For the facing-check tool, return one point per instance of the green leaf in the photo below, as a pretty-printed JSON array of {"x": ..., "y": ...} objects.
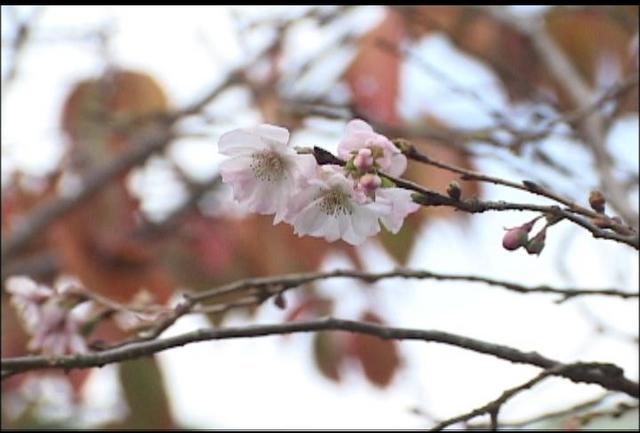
[
  {"x": 399, "y": 245},
  {"x": 387, "y": 183},
  {"x": 145, "y": 393},
  {"x": 327, "y": 355}
]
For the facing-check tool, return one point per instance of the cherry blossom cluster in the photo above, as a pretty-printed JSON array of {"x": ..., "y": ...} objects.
[
  {"x": 331, "y": 201},
  {"x": 60, "y": 318},
  {"x": 53, "y": 317}
]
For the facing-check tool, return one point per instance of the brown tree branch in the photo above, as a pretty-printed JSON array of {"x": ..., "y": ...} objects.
[
  {"x": 493, "y": 408},
  {"x": 284, "y": 282},
  {"x": 428, "y": 197},
  {"x": 608, "y": 376},
  {"x": 548, "y": 415},
  {"x": 145, "y": 144},
  {"x": 257, "y": 290},
  {"x": 583, "y": 97},
  {"x": 414, "y": 154},
  {"x": 35, "y": 222}
]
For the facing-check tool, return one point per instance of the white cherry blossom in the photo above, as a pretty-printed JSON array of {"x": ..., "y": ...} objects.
[
  {"x": 400, "y": 203},
  {"x": 263, "y": 171},
  {"x": 330, "y": 207}
]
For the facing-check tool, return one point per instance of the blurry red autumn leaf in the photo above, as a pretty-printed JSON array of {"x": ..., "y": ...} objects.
[
  {"x": 475, "y": 32},
  {"x": 590, "y": 37},
  {"x": 379, "y": 358},
  {"x": 94, "y": 107},
  {"x": 209, "y": 250},
  {"x": 374, "y": 74},
  {"x": 111, "y": 262},
  {"x": 255, "y": 234},
  {"x": 598, "y": 42}
]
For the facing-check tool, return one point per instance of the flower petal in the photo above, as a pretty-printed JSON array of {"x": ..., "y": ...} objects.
[
  {"x": 239, "y": 142},
  {"x": 274, "y": 133},
  {"x": 358, "y": 125}
]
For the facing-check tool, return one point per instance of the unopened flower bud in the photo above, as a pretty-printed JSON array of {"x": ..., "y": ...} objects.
[
  {"x": 517, "y": 237},
  {"x": 280, "y": 301},
  {"x": 453, "y": 190},
  {"x": 514, "y": 239},
  {"x": 597, "y": 201},
  {"x": 369, "y": 183},
  {"x": 363, "y": 160},
  {"x": 535, "y": 245}
]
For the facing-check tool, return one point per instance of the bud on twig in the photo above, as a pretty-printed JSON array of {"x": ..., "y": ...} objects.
[
  {"x": 403, "y": 145},
  {"x": 597, "y": 201},
  {"x": 363, "y": 161},
  {"x": 369, "y": 183},
  {"x": 280, "y": 301},
  {"x": 517, "y": 237},
  {"x": 453, "y": 190},
  {"x": 536, "y": 245}
]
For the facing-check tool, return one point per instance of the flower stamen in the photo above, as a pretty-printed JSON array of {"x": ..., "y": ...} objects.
[
  {"x": 335, "y": 202},
  {"x": 268, "y": 166}
]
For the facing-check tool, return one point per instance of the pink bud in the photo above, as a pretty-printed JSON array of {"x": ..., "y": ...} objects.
[
  {"x": 364, "y": 159},
  {"x": 518, "y": 236},
  {"x": 514, "y": 239},
  {"x": 369, "y": 183}
]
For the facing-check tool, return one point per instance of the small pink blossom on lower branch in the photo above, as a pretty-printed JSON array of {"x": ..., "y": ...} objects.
[
  {"x": 263, "y": 171},
  {"x": 53, "y": 318},
  {"x": 27, "y": 297},
  {"x": 59, "y": 330}
]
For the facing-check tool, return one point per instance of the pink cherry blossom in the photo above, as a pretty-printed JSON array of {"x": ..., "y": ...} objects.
[
  {"x": 400, "y": 203},
  {"x": 262, "y": 170},
  {"x": 53, "y": 318},
  {"x": 329, "y": 206},
  {"x": 360, "y": 135},
  {"x": 27, "y": 296},
  {"x": 59, "y": 329}
]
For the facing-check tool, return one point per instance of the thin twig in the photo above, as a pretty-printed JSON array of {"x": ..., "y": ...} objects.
[
  {"x": 549, "y": 415},
  {"x": 582, "y": 97},
  {"x": 414, "y": 154},
  {"x": 428, "y": 197},
  {"x": 262, "y": 288},
  {"x": 284, "y": 282},
  {"x": 493, "y": 408}
]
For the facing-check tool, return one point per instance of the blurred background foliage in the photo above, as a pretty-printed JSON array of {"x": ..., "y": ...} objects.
[{"x": 118, "y": 249}]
